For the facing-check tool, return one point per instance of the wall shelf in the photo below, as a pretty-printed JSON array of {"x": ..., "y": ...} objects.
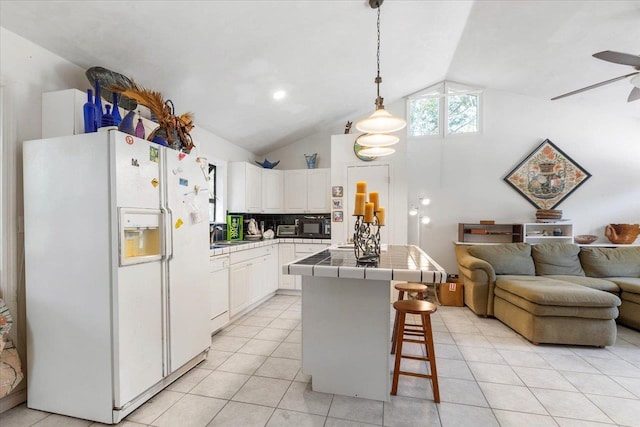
[
  {"x": 489, "y": 233},
  {"x": 543, "y": 232}
]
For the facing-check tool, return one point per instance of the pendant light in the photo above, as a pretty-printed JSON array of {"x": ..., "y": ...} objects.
[{"x": 377, "y": 127}]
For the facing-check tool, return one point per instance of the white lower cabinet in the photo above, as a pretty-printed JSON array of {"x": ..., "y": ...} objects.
[
  {"x": 287, "y": 252},
  {"x": 239, "y": 275},
  {"x": 252, "y": 277},
  {"x": 219, "y": 285}
]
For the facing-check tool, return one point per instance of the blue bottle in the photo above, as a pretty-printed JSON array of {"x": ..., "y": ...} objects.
[
  {"x": 89, "y": 111},
  {"x": 117, "y": 118},
  {"x": 107, "y": 118},
  {"x": 98, "y": 105}
]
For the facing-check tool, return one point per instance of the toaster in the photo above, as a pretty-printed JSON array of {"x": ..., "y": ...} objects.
[{"x": 287, "y": 230}]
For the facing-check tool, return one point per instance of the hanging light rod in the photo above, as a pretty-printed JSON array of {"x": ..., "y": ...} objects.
[{"x": 381, "y": 122}]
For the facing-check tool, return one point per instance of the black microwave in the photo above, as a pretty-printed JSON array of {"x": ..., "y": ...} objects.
[{"x": 316, "y": 227}]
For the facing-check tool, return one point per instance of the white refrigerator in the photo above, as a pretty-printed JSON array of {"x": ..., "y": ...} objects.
[{"x": 116, "y": 261}]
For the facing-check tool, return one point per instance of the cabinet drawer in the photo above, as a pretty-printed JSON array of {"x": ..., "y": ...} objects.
[{"x": 241, "y": 256}]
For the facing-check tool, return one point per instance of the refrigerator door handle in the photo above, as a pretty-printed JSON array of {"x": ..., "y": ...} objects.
[{"x": 169, "y": 241}]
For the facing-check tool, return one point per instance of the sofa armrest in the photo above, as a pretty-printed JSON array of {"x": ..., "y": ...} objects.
[{"x": 479, "y": 279}]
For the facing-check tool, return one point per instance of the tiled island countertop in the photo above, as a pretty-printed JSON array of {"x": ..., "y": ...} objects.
[
  {"x": 403, "y": 263},
  {"x": 346, "y": 316}
]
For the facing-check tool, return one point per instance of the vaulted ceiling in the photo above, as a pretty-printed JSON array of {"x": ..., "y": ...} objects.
[{"x": 223, "y": 60}]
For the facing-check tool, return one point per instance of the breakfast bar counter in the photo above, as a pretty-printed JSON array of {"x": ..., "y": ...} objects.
[{"x": 346, "y": 316}]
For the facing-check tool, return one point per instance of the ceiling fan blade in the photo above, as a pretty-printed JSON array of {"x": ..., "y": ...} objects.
[
  {"x": 618, "y": 58},
  {"x": 606, "y": 82},
  {"x": 634, "y": 95}
]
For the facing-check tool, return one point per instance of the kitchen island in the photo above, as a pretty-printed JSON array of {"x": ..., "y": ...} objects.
[{"x": 346, "y": 316}]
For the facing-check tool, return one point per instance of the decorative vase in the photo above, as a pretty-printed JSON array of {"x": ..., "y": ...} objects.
[
  {"x": 622, "y": 234},
  {"x": 126, "y": 125},
  {"x": 140, "y": 128},
  {"x": 116, "y": 111},
  {"x": 89, "y": 111},
  {"x": 98, "y": 105},
  {"x": 107, "y": 118},
  {"x": 311, "y": 160}
]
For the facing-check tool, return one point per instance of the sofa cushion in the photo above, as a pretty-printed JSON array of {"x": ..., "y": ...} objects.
[
  {"x": 589, "y": 282},
  {"x": 629, "y": 286},
  {"x": 611, "y": 262},
  {"x": 603, "y": 313},
  {"x": 545, "y": 291},
  {"x": 510, "y": 258},
  {"x": 557, "y": 258}
]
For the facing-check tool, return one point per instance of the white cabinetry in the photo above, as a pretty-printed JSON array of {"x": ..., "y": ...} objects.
[
  {"x": 287, "y": 253},
  {"x": 272, "y": 189},
  {"x": 307, "y": 190},
  {"x": 245, "y": 187},
  {"x": 239, "y": 287},
  {"x": 219, "y": 285},
  {"x": 253, "y": 189},
  {"x": 548, "y": 232},
  {"x": 252, "y": 277}
]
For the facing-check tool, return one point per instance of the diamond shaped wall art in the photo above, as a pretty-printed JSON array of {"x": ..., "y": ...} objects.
[{"x": 547, "y": 176}]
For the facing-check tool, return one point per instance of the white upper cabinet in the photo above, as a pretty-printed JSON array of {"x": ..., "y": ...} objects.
[
  {"x": 245, "y": 187},
  {"x": 295, "y": 191},
  {"x": 272, "y": 189},
  {"x": 318, "y": 190},
  {"x": 307, "y": 190},
  {"x": 253, "y": 189}
]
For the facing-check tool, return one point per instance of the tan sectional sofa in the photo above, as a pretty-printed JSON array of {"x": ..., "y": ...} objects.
[{"x": 554, "y": 293}]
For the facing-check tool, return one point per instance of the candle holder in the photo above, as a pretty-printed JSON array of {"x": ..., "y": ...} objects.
[{"x": 366, "y": 239}]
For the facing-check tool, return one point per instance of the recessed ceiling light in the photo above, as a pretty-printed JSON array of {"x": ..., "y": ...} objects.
[{"x": 279, "y": 94}]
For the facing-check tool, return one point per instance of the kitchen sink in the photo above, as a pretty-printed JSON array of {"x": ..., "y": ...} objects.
[{"x": 225, "y": 243}]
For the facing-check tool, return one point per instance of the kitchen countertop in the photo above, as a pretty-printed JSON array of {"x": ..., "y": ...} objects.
[
  {"x": 399, "y": 262},
  {"x": 249, "y": 244}
]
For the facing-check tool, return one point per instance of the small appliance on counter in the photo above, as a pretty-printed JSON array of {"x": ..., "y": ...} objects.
[
  {"x": 319, "y": 228},
  {"x": 287, "y": 231}
]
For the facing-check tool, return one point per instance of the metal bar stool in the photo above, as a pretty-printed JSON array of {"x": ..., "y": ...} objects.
[
  {"x": 402, "y": 288},
  {"x": 424, "y": 309}
]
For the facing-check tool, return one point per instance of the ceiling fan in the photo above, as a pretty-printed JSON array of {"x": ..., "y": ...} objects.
[{"x": 617, "y": 58}]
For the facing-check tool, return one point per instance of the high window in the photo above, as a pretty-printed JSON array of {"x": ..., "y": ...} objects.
[{"x": 444, "y": 109}]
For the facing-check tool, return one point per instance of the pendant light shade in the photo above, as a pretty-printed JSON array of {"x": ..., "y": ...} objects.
[
  {"x": 377, "y": 140},
  {"x": 376, "y": 151},
  {"x": 381, "y": 121}
]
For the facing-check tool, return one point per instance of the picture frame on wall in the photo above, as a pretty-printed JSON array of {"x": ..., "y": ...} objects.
[
  {"x": 336, "y": 203},
  {"x": 547, "y": 176},
  {"x": 337, "y": 191},
  {"x": 338, "y": 216}
]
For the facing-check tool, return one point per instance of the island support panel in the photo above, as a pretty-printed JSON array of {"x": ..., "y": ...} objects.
[{"x": 346, "y": 336}]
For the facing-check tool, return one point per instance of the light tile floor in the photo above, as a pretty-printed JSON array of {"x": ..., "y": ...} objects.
[{"x": 489, "y": 376}]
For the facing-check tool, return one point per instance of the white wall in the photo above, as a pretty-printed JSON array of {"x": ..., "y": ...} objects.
[
  {"x": 463, "y": 175},
  {"x": 292, "y": 155},
  {"x": 26, "y": 71},
  {"x": 342, "y": 156}
]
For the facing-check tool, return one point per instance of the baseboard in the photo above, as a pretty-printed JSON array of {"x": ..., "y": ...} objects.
[
  {"x": 13, "y": 399},
  {"x": 294, "y": 292}
]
